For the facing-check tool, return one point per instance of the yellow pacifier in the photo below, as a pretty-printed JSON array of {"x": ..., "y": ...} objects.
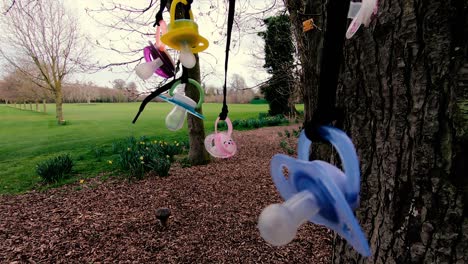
[{"x": 182, "y": 35}]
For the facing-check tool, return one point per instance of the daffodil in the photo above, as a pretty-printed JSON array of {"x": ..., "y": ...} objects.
[
  {"x": 141, "y": 158},
  {"x": 81, "y": 181},
  {"x": 129, "y": 149},
  {"x": 109, "y": 161}
]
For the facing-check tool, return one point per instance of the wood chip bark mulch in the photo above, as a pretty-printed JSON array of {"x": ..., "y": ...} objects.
[{"x": 214, "y": 216}]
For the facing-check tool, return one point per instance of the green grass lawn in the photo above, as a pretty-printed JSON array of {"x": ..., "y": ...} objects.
[{"x": 30, "y": 137}]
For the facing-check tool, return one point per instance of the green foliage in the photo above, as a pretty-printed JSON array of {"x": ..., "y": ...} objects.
[
  {"x": 259, "y": 101},
  {"x": 253, "y": 123},
  {"x": 279, "y": 60},
  {"x": 160, "y": 165},
  {"x": 137, "y": 157},
  {"x": 185, "y": 162},
  {"x": 91, "y": 125},
  {"x": 286, "y": 143},
  {"x": 97, "y": 152},
  {"x": 55, "y": 169}
]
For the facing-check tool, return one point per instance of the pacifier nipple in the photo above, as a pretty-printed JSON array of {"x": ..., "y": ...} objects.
[
  {"x": 278, "y": 223},
  {"x": 146, "y": 70},
  {"x": 186, "y": 56},
  {"x": 275, "y": 225}
]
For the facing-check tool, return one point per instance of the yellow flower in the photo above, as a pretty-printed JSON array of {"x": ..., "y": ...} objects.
[
  {"x": 81, "y": 181},
  {"x": 142, "y": 162},
  {"x": 128, "y": 149},
  {"x": 155, "y": 142},
  {"x": 177, "y": 144},
  {"x": 109, "y": 161},
  {"x": 141, "y": 157}
]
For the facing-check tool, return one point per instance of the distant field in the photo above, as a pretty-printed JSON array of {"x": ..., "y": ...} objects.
[{"x": 30, "y": 137}]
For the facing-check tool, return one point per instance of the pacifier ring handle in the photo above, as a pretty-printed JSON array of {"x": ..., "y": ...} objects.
[
  {"x": 161, "y": 29},
  {"x": 194, "y": 83},
  {"x": 228, "y": 123}
]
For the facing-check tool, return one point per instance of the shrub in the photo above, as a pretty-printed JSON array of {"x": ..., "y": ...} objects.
[
  {"x": 160, "y": 165},
  {"x": 262, "y": 121},
  {"x": 97, "y": 152},
  {"x": 55, "y": 169},
  {"x": 137, "y": 157}
]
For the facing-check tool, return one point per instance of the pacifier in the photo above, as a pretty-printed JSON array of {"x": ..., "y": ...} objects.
[
  {"x": 157, "y": 58},
  {"x": 315, "y": 191},
  {"x": 182, "y": 35},
  {"x": 220, "y": 144},
  {"x": 361, "y": 13},
  {"x": 182, "y": 104}
]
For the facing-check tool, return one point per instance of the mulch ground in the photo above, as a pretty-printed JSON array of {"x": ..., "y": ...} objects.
[{"x": 214, "y": 216}]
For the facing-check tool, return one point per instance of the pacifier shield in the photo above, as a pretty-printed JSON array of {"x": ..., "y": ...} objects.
[
  {"x": 316, "y": 177},
  {"x": 220, "y": 145}
]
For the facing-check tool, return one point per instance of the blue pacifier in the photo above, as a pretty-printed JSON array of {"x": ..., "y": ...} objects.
[
  {"x": 316, "y": 191},
  {"x": 183, "y": 104}
]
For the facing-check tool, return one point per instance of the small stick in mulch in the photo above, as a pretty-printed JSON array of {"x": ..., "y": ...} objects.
[{"x": 163, "y": 214}]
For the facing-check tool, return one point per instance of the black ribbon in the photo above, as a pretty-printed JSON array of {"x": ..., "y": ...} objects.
[
  {"x": 232, "y": 7},
  {"x": 332, "y": 57},
  {"x": 159, "y": 16},
  {"x": 153, "y": 95}
]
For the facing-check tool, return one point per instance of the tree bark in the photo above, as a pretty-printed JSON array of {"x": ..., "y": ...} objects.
[
  {"x": 44, "y": 106},
  {"x": 58, "y": 106},
  {"x": 400, "y": 88},
  {"x": 197, "y": 152},
  {"x": 37, "y": 105}
]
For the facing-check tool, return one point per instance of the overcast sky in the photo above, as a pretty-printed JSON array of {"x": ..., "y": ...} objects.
[{"x": 246, "y": 48}]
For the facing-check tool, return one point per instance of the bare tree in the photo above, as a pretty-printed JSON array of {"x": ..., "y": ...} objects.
[{"x": 46, "y": 34}]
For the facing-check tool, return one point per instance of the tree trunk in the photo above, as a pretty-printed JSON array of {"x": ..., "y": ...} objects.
[
  {"x": 58, "y": 106},
  {"x": 400, "y": 90},
  {"x": 44, "y": 105},
  {"x": 37, "y": 106},
  {"x": 30, "y": 106},
  {"x": 309, "y": 46},
  {"x": 197, "y": 153},
  {"x": 24, "y": 105}
]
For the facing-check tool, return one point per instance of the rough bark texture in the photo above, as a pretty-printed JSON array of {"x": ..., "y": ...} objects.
[
  {"x": 58, "y": 105},
  {"x": 197, "y": 153},
  {"x": 399, "y": 89},
  {"x": 401, "y": 86}
]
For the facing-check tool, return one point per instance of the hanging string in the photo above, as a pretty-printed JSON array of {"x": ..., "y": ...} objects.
[
  {"x": 159, "y": 16},
  {"x": 232, "y": 7},
  {"x": 167, "y": 86},
  {"x": 153, "y": 95},
  {"x": 332, "y": 57}
]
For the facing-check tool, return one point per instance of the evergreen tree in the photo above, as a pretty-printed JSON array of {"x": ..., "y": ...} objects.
[{"x": 279, "y": 63}]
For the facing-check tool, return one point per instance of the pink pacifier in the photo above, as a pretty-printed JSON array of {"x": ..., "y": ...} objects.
[
  {"x": 220, "y": 144},
  {"x": 361, "y": 13},
  {"x": 157, "y": 59}
]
